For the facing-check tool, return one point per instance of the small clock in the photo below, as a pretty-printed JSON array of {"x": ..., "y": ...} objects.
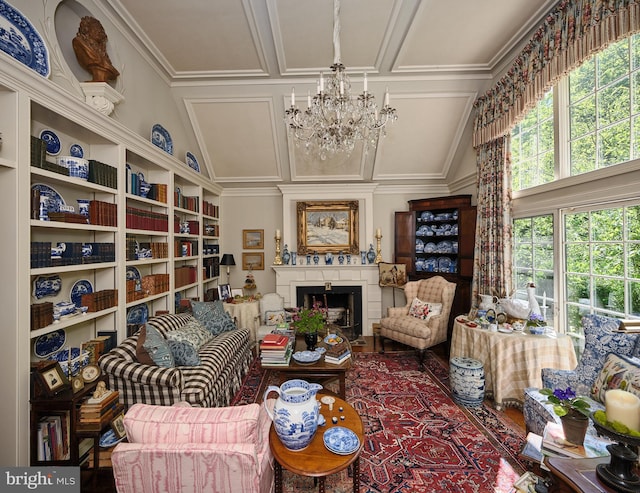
[
  {"x": 77, "y": 383},
  {"x": 90, "y": 373}
]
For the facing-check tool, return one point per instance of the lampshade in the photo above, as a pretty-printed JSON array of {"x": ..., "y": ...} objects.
[{"x": 227, "y": 259}]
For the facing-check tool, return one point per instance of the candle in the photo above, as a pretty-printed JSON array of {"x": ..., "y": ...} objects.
[
  {"x": 386, "y": 97},
  {"x": 277, "y": 234},
  {"x": 321, "y": 83},
  {"x": 308, "y": 99},
  {"x": 624, "y": 407},
  {"x": 293, "y": 97},
  {"x": 341, "y": 88},
  {"x": 378, "y": 233},
  {"x": 544, "y": 298},
  {"x": 366, "y": 85}
]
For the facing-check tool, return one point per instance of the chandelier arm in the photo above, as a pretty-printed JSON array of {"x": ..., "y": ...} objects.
[{"x": 336, "y": 31}]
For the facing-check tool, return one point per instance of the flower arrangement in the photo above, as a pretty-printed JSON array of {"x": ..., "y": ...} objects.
[
  {"x": 566, "y": 402},
  {"x": 309, "y": 320},
  {"x": 535, "y": 320}
]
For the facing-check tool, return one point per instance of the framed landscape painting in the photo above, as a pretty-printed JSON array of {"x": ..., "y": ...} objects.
[
  {"x": 328, "y": 226},
  {"x": 252, "y": 261},
  {"x": 253, "y": 239}
]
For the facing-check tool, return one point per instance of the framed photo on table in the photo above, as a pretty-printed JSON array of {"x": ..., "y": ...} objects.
[
  {"x": 49, "y": 378},
  {"x": 252, "y": 261},
  {"x": 224, "y": 291},
  {"x": 328, "y": 226},
  {"x": 117, "y": 425},
  {"x": 253, "y": 239}
]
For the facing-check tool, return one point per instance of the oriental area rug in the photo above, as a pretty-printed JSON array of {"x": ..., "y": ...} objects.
[{"x": 417, "y": 439}]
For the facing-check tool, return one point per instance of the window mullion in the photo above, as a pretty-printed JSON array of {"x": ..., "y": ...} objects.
[{"x": 562, "y": 123}]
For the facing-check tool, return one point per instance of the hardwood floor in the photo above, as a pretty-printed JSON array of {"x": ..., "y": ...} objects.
[{"x": 102, "y": 481}]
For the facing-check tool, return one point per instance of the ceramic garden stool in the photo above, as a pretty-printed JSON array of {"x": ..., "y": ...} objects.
[{"x": 467, "y": 381}]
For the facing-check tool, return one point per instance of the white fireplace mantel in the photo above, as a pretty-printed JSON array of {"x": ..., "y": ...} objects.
[{"x": 289, "y": 277}]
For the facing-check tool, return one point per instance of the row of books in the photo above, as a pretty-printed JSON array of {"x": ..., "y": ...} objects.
[
  {"x": 98, "y": 346},
  {"x": 146, "y": 220},
  {"x": 338, "y": 353},
  {"x": 185, "y": 275},
  {"x": 103, "y": 213},
  {"x": 100, "y": 300},
  {"x": 53, "y": 437},
  {"x": 41, "y": 315},
  {"x": 190, "y": 203},
  {"x": 74, "y": 253},
  {"x": 157, "y": 249},
  {"x": 209, "y": 209},
  {"x": 211, "y": 267},
  {"x": 192, "y": 227},
  {"x": 95, "y": 410},
  {"x": 102, "y": 174},
  {"x": 185, "y": 248}
]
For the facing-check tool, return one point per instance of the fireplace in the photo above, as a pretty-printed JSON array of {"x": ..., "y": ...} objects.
[{"x": 344, "y": 305}]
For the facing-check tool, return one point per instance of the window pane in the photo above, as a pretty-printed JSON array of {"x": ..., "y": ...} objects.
[
  {"x": 543, "y": 255},
  {"x": 543, "y": 228},
  {"x": 614, "y": 145},
  {"x": 608, "y": 259},
  {"x": 578, "y": 258},
  {"x": 633, "y": 223},
  {"x": 577, "y": 227},
  {"x": 577, "y": 288},
  {"x": 581, "y": 81},
  {"x": 634, "y": 309},
  {"x": 613, "y": 103},
  {"x": 606, "y": 225},
  {"x": 583, "y": 117},
  {"x": 613, "y": 62},
  {"x": 633, "y": 260},
  {"x": 583, "y": 153}
]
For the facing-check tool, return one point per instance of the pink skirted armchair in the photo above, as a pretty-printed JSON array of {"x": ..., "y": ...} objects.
[
  {"x": 423, "y": 321},
  {"x": 191, "y": 449}
]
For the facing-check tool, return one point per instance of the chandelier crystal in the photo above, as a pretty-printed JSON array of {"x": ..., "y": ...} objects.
[{"x": 334, "y": 119}]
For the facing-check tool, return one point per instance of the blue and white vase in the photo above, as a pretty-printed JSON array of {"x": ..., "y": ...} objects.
[
  {"x": 348, "y": 259},
  {"x": 340, "y": 257},
  {"x": 363, "y": 257},
  {"x": 295, "y": 412},
  {"x": 316, "y": 258},
  {"x": 328, "y": 258},
  {"x": 293, "y": 258},
  {"x": 285, "y": 255},
  {"x": 371, "y": 254},
  {"x": 308, "y": 259}
]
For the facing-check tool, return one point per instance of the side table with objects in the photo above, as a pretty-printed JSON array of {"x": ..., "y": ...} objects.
[{"x": 325, "y": 454}]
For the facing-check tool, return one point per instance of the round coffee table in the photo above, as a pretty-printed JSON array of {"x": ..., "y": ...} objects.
[{"x": 316, "y": 460}]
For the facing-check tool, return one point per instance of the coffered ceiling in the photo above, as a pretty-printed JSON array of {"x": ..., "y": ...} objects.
[{"x": 233, "y": 64}]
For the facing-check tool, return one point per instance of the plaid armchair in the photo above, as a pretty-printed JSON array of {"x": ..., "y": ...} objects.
[{"x": 426, "y": 328}]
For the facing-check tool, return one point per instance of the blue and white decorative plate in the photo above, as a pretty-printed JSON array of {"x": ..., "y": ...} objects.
[
  {"x": 161, "y": 138},
  {"x": 138, "y": 314},
  {"x": 47, "y": 344},
  {"x": 321, "y": 350},
  {"x": 76, "y": 150},
  {"x": 109, "y": 439},
  {"x": 46, "y": 286},
  {"x": 21, "y": 40},
  {"x": 332, "y": 339},
  {"x": 341, "y": 440},
  {"x": 52, "y": 140},
  {"x": 133, "y": 274},
  {"x": 83, "y": 286},
  {"x": 54, "y": 199},
  {"x": 306, "y": 357},
  {"x": 444, "y": 264},
  {"x": 192, "y": 162}
]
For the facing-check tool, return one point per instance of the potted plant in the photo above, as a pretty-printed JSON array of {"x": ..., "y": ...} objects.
[
  {"x": 573, "y": 412},
  {"x": 309, "y": 321}
]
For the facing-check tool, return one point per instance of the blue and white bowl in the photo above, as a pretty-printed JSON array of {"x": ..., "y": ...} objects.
[
  {"x": 79, "y": 359},
  {"x": 78, "y": 167}
]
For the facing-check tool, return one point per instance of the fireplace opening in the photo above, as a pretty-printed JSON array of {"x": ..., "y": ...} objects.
[{"x": 344, "y": 304}]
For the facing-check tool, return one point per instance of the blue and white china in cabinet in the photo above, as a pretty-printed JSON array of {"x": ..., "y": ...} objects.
[
  {"x": 47, "y": 286},
  {"x": 371, "y": 254},
  {"x": 52, "y": 141},
  {"x": 22, "y": 41},
  {"x": 341, "y": 440},
  {"x": 419, "y": 245},
  {"x": 80, "y": 287},
  {"x": 83, "y": 207},
  {"x": 426, "y": 216},
  {"x": 192, "y": 162},
  {"x": 295, "y": 413},
  {"x": 71, "y": 360},
  {"x": 348, "y": 259},
  {"x": 53, "y": 199},
  {"x": 363, "y": 257},
  {"x": 76, "y": 150},
  {"x": 328, "y": 258},
  {"x": 138, "y": 314},
  {"x": 286, "y": 256},
  {"x": 341, "y": 257},
  {"x": 50, "y": 343},
  {"x": 294, "y": 257},
  {"x": 419, "y": 264},
  {"x": 62, "y": 309},
  {"x": 133, "y": 274},
  {"x": 444, "y": 264},
  {"x": 161, "y": 138}
]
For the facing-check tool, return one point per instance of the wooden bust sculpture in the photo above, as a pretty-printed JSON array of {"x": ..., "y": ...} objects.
[{"x": 90, "y": 47}]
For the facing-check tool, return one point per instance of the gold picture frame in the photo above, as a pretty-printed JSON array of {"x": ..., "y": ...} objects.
[
  {"x": 253, "y": 239},
  {"x": 252, "y": 261},
  {"x": 328, "y": 226}
]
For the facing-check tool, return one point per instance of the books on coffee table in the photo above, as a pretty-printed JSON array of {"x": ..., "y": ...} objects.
[{"x": 553, "y": 440}]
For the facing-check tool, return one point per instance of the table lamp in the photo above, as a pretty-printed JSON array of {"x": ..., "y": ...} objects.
[{"x": 228, "y": 260}]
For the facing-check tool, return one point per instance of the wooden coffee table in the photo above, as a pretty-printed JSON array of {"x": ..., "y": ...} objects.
[
  {"x": 316, "y": 372},
  {"x": 315, "y": 460},
  {"x": 576, "y": 475}
]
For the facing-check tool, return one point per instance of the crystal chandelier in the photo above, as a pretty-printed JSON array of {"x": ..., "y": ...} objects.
[{"x": 335, "y": 120}]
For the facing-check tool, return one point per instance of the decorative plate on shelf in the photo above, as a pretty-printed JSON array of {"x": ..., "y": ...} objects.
[
  {"x": 80, "y": 287},
  {"x": 22, "y": 41},
  {"x": 161, "y": 138},
  {"x": 306, "y": 357},
  {"x": 47, "y": 286},
  {"x": 341, "y": 440},
  {"x": 54, "y": 199},
  {"x": 109, "y": 439},
  {"x": 52, "y": 140},
  {"x": 192, "y": 162},
  {"x": 133, "y": 274},
  {"x": 138, "y": 314},
  {"x": 76, "y": 150},
  {"x": 48, "y": 344}
]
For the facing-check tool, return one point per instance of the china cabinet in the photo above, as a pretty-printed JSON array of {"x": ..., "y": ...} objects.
[
  {"x": 125, "y": 202},
  {"x": 436, "y": 236}
]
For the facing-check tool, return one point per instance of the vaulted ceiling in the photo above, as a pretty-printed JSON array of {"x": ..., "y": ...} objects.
[{"x": 233, "y": 63}]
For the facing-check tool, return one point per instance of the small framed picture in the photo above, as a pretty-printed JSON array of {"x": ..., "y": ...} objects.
[
  {"x": 117, "y": 425},
  {"x": 224, "y": 291},
  {"x": 253, "y": 239},
  {"x": 51, "y": 378},
  {"x": 237, "y": 292},
  {"x": 253, "y": 261}
]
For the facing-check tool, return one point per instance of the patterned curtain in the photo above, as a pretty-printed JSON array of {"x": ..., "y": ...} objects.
[
  {"x": 573, "y": 31},
  {"x": 492, "y": 256}
]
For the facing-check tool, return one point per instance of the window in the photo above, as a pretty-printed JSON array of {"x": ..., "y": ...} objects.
[
  {"x": 602, "y": 255},
  {"x": 532, "y": 150},
  {"x": 533, "y": 257}
]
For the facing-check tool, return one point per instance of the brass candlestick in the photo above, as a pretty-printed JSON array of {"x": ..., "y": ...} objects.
[
  {"x": 378, "y": 247},
  {"x": 278, "y": 259}
]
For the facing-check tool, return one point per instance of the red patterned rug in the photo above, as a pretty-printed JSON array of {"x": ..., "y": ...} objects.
[{"x": 417, "y": 438}]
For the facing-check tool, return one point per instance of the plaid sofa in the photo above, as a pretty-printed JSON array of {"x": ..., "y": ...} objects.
[{"x": 225, "y": 361}]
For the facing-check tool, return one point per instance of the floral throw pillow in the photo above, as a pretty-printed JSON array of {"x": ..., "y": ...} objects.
[
  {"x": 158, "y": 349},
  {"x": 184, "y": 353},
  {"x": 424, "y": 310},
  {"x": 213, "y": 316},
  {"x": 192, "y": 332},
  {"x": 618, "y": 372},
  {"x": 274, "y": 317}
]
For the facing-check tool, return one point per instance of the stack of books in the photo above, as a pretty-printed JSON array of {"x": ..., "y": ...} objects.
[
  {"x": 338, "y": 354},
  {"x": 97, "y": 411},
  {"x": 275, "y": 350},
  {"x": 554, "y": 444}
]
